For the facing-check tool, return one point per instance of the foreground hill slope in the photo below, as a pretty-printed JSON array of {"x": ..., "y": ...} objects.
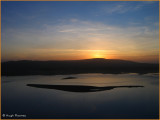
[{"x": 98, "y": 65}]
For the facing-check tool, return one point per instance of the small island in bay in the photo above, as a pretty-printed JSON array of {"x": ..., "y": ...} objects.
[{"x": 70, "y": 77}]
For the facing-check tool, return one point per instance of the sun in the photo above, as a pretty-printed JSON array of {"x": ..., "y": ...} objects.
[{"x": 98, "y": 54}]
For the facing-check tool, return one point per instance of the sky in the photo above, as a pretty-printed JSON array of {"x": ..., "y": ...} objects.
[{"x": 72, "y": 30}]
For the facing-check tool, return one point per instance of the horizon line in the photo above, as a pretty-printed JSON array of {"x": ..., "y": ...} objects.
[{"x": 77, "y": 60}]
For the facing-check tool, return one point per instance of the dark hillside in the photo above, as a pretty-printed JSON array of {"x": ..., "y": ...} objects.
[{"x": 27, "y": 67}]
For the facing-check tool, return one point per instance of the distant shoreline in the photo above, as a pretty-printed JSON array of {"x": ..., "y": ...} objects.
[{"x": 104, "y": 66}]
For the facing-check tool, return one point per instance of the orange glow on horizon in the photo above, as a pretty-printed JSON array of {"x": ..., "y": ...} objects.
[
  {"x": 98, "y": 54},
  {"x": 69, "y": 54}
]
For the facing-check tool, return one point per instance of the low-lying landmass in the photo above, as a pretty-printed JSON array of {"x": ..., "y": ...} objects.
[
  {"x": 79, "y": 88},
  {"x": 70, "y": 77},
  {"x": 111, "y": 66}
]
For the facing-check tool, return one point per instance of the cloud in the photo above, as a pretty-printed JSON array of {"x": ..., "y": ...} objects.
[
  {"x": 120, "y": 8},
  {"x": 81, "y": 36},
  {"x": 80, "y": 32},
  {"x": 124, "y": 7}
]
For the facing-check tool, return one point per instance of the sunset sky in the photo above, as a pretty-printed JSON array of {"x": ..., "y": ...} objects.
[{"x": 80, "y": 30}]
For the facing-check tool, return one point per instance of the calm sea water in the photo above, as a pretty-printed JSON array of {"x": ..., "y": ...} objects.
[{"x": 119, "y": 102}]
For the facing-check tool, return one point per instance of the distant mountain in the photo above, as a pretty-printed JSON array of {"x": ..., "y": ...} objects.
[{"x": 97, "y": 65}]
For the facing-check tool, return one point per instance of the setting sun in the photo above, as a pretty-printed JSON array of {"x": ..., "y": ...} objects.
[{"x": 99, "y": 54}]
